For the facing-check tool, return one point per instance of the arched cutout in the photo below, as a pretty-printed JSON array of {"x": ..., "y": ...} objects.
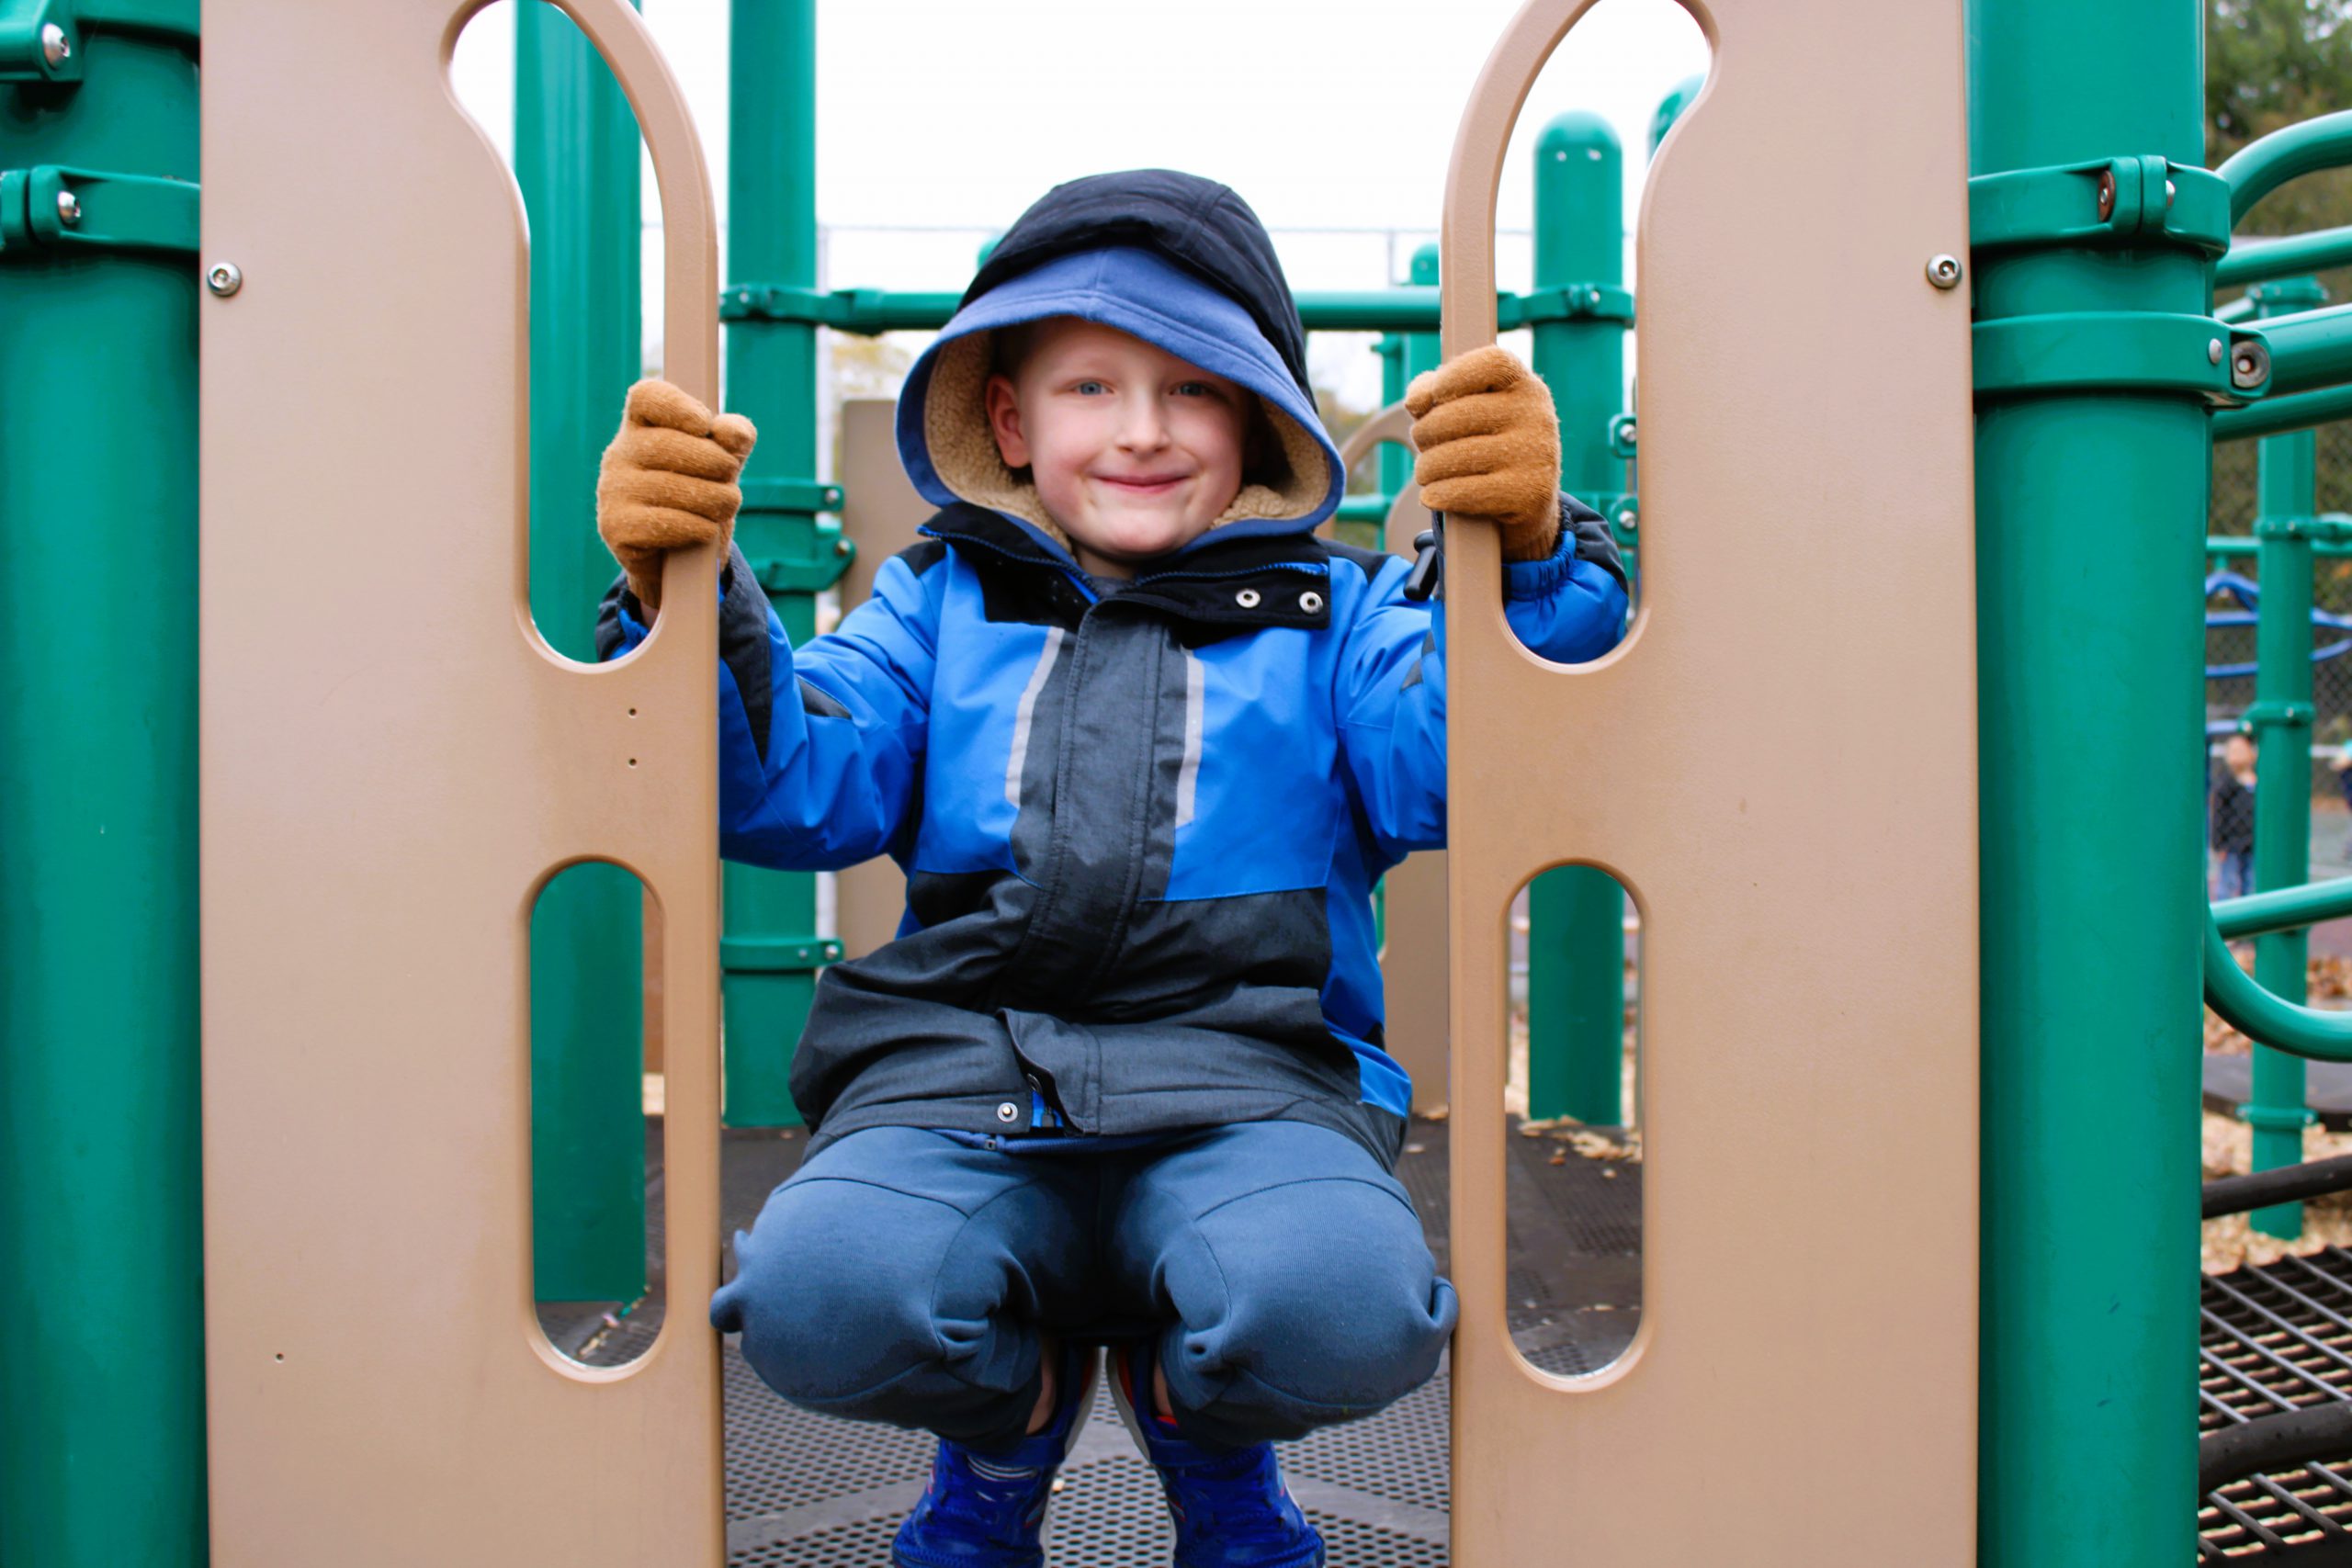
[
  {"x": 1572, "y": 1105},
  {"x": 596, "y": 1143}
]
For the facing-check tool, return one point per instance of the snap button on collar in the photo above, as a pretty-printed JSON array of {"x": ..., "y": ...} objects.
[
  {"x": 1247, "y": 598},
  {"x": 1310, "y": 602},
  {"x": 1007, "y": 1111}
]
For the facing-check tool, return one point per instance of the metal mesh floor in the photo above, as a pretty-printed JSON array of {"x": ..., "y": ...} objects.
[{"x": 2275, "y": 1339}]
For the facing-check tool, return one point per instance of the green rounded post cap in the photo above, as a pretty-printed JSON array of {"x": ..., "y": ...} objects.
[
  {"x": 1577, "y": 130},
  {"x": 1424, "y": 263}
]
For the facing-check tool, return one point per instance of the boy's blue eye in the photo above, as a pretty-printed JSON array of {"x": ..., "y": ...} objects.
[{"x": 1088, "y": 387}]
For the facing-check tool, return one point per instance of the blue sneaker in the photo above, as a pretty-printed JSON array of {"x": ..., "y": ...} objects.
[
  {"x": 1230, "y": 1506},
  {"x": 985, "y": 1511}
]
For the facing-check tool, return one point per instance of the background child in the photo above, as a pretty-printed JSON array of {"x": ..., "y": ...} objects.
[
  {"x": 2231, "y": 823},
  {"x": 1142, "y": 742}
]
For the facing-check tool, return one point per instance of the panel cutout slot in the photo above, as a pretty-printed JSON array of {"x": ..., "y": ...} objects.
[
  {"x": 1572, "y": 1107},
  {"x": 595, "y": 1118}
]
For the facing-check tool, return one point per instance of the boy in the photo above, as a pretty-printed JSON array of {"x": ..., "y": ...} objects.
[
  {"x": 1142, "y": 742},
  {"x": 2230, "y": 818}
]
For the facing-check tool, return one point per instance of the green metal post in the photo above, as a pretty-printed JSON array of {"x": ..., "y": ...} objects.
[
  {"x": 1670, "y": 107},
  {"x": 1576, "y": 942},
  {"x": 101, "y": 1241},
  {"x": 2282, "y": 722},
  {"x": 770, "y": 953},
  {"x": 2090, "y": 514},
  {"x": 576, "y": 159}
]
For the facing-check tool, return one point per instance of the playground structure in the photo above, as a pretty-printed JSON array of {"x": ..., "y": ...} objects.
[{"x": 394, "y": 764}]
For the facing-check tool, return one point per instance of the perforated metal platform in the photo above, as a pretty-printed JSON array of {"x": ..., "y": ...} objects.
[
  {"x": 806, "y": 1490},
  {"x": 2275, "y": 1339}
]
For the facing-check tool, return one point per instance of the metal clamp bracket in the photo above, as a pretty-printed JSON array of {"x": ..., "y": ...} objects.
[
  {"x": 1565, "y": 302},
  {"x": 2327, "y": 526},
  {"x": 790, "y": 495},
  {"x": 2149, "y": 350},
  {"x": 1622, "y": 512},
  {"x": 2272, "y": 715},
  {"x": 52, "y": 207},
  {"x": 844, "y": 309},
  {"x": 1621, "y": 436},
  {"x": 2275, "y": 1118},
  {"x": 806, "y": 574},
  {"x": 777, "y": 954},
  {"x": 40, "y": 40},
  {"x": 2111, "y": 201}
]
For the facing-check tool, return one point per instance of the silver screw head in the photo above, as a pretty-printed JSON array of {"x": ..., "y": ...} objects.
[
  {"x": 69, "y": 209},
  {"x": 2214, "y": 352},
  {"x": 2171, "y": 190},
  {"x": 1944, "y": 271},
  {"x": 55, "y": 47},
  {"x": 2105, "y": 195},
  {"x": 224, "y": 279}
]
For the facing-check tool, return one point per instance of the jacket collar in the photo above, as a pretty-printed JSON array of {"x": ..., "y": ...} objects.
[{"x": 1235, "y": 583}]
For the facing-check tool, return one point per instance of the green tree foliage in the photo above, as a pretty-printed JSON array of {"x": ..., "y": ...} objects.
[{"x": 2269, "y": 63}]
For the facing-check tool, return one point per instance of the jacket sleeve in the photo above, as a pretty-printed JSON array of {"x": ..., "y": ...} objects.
[
  {"x": 1569, "y": 608},
  {"x": 820, "y": 748}
]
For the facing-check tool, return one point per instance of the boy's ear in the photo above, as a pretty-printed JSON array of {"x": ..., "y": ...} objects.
[{"x": 1004, "y": 421}]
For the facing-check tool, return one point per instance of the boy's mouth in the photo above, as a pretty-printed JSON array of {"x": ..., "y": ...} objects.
[{"x": 1142, "y": 484}]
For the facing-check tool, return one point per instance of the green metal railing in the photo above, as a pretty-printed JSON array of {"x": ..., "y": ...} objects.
[
  {"x": 101, "y": 1241},
  {"x": 2280, "y": 721}
]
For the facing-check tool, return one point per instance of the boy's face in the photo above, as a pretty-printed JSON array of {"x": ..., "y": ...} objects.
[
  {"x": 1133, "y": 452},
  {"x": 2237, "y": 753}
]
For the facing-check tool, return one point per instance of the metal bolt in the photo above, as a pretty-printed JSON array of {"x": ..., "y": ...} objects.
[
  {"x": 55, "y": 47},
  {"x": 224, "y": 279},
  {"x": 69, "y": 209},
  {"x": 2214, "y": 352},
  {"x": 2105, "y": 195},
  {"x": 842, "y": 546},
  {"x": 2171, "y": 190},
  {"x": 1592, "y": 296},
  {"x": 1944, "y": 271},
  {"x": 2250, "y": 365}
]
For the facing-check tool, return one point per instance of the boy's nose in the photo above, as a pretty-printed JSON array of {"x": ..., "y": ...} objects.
[{"x": 1144, "y": 428}]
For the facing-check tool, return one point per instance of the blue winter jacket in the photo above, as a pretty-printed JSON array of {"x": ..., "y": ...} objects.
[{"x": 1141, "y": 828}]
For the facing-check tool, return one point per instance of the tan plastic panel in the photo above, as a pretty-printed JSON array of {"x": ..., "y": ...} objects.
[
  {"x": 392, "y": 764},
  {"x": 1780, "y": 763},
  {"x": 880, "y": 512},
  {"x": 1413, "y": 972}
]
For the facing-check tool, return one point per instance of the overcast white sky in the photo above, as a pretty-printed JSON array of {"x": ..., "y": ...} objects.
[{"x": 1321, "y": 113}]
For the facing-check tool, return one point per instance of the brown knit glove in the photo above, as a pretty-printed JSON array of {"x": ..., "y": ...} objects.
[
  {"x": 1490, "y": 446},
  {"x": 668, "y": 481}
]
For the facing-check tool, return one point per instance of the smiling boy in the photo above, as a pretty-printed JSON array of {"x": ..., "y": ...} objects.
[{"x": 1143, "y": 744}]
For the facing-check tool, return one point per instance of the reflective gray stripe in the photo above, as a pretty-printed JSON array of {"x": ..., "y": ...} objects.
[
  {"x": 1190, "y": 775},
  {"x": 1028, "y": 707}
]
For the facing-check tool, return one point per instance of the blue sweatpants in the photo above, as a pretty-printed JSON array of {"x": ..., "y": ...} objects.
[{"x": 1278, "y": 1273}]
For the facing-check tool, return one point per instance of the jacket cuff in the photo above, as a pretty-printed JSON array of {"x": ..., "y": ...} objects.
[{"x": 1528, "y": 580}]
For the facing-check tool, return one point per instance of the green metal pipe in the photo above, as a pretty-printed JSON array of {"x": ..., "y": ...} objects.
[
  {"x": 2090, "y": 512},
  {"x": 2272, "y": 417},
  {"x": 1410, "y": 308},
  {"x": 2267, "y": 163},
  {"x": 2309, "y": 349},
  {"x": 2234, "y": 546},
  {"x": 576, "y": 161},
  {"x": 2286, "y": 489},
  {"x": 1576, "y": 943},
  {"x": 2256, "y": 261},
  {"x": 2290, "y": 908},
  {"x": 770, "y": 917},
  {"x": 1670, "y": 107},
  {"x": 101, "y": 1241},
  {"x": 2266, "y": 1017}
]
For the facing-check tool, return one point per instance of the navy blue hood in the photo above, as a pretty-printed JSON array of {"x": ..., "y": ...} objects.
[{"x": 1140, "y": 289}]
